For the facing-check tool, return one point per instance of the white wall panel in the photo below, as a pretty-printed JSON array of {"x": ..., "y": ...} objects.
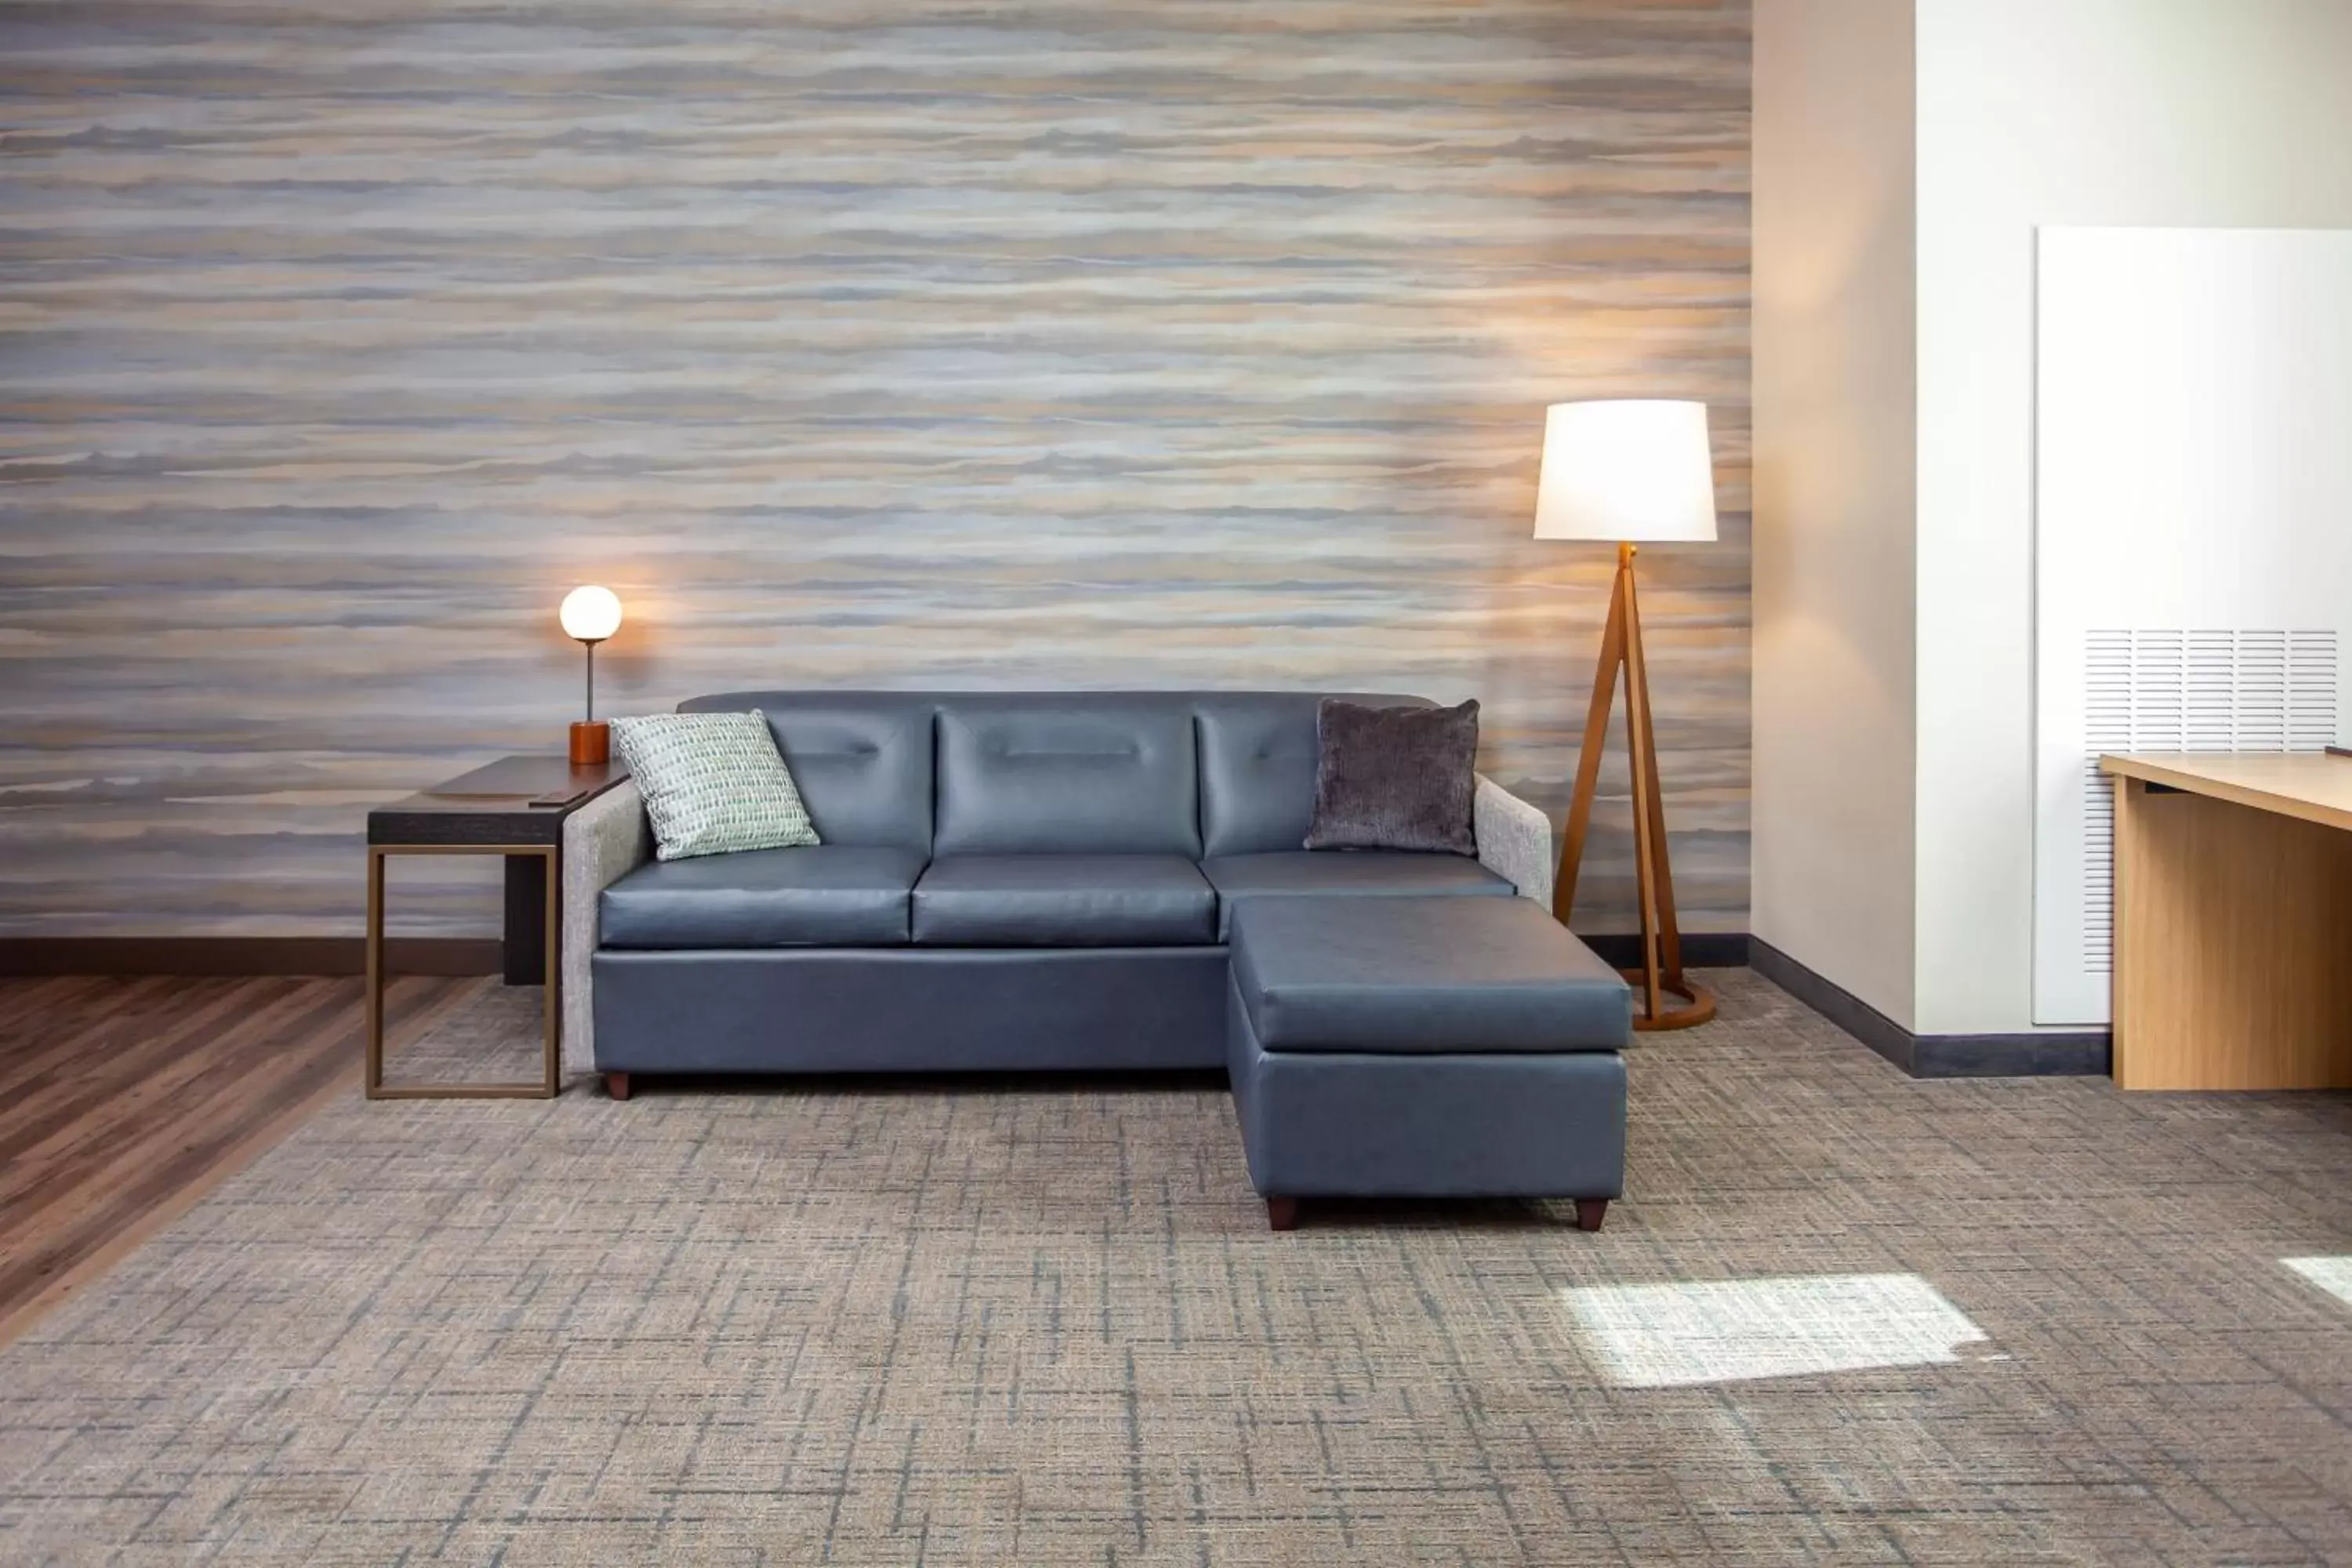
[{"x": 2193, "y": 531}]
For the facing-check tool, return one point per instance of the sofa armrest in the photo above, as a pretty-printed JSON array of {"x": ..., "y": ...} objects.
[
  {"x": 602, "y": 841},
  {"x": 1514, "y": 840}
]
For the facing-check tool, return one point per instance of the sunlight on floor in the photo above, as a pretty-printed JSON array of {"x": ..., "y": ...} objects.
[
  {"x": 2332, "y": 1275},
  {"x": 1666, "y": 1336}
]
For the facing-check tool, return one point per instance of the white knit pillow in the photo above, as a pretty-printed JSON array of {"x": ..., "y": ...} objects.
[{"x": 713, "y": 783}]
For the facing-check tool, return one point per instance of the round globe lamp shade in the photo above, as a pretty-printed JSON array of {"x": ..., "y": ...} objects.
[
  {"x": 591, "y": 614},
  {"x": 1633, "y": 471}
]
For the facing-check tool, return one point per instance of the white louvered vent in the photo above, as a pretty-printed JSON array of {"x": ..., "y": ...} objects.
[{"x": 2189, "y": 692}]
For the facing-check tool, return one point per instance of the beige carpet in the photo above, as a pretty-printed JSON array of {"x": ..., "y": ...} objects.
[{"x": 1842, "y": 1316}]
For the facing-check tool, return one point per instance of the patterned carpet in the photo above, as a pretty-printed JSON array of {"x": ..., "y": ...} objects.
[{"x": 1842, "y": 1316}]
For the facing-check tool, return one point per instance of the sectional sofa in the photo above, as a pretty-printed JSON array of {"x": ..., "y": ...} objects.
[{"x": 1054, "y": 880}]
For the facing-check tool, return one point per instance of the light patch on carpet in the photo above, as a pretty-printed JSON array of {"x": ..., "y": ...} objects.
[
  {"x": 1735, "y": 1330},
  {"x": 2332, "y": 1275}
]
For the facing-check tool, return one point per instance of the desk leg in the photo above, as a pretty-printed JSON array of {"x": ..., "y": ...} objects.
[
  {"x": 526, "y": 946},
  {"x": 2233, "y": 928}
]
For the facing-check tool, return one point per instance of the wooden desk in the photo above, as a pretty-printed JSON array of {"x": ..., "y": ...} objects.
[{"x": 2233, "y": 921}]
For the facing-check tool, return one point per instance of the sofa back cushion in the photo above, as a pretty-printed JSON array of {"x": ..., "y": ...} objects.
[
  {"x": 1257, "y": 766},
  {"x": 1015, "y": 773},
  {"x": 1077, "y": 772},
  {"x": 861, "y": 760}
]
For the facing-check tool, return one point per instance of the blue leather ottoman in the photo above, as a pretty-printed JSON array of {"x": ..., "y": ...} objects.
[{"x": 1424, "y": 1047}]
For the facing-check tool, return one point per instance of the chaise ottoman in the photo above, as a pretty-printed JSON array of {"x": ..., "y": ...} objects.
[{"x": 1424, "y": 1047}]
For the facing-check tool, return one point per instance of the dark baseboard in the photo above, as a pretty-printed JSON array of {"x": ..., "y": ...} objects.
[
  {"x": 1701, "y": 949},
  {"x": 479, "y": 955},
  {"x": 2084, "y": 1055},
  {"x": 325, "y": 955},
  {"x": 1835, "y": 1003},
  {"x": 1921, "y": 1056}
]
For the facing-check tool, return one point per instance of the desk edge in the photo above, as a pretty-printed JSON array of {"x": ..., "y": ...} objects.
[{"x": 2123, "y": 764}]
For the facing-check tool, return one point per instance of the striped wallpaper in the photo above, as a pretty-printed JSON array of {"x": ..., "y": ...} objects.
[{"x": 1022, "y": 343}]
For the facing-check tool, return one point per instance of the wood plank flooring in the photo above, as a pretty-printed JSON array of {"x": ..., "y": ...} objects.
[{"x": 124, "y": 1099}]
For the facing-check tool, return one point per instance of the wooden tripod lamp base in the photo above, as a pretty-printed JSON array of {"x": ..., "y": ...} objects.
[
  {"x": 1659, "y": 978},
  {"x": 1664, "y": 997}
]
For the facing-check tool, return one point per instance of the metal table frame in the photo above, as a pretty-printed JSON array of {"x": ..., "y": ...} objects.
[{"x": 550, "y": 1081}]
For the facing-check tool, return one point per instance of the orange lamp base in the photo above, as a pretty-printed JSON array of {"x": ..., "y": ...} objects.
[{"x": 592, "y": 744}]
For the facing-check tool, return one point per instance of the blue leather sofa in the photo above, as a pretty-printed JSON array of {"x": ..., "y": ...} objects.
[{"x": 1015, "y": 880}]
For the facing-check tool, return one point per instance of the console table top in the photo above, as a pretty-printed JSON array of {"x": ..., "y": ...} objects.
[{"x": 495, "y": 803}]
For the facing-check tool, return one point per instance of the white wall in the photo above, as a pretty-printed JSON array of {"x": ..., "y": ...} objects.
[
  {"x": 1834, "y": 336},
  {"x": 2226, "y": 113}
]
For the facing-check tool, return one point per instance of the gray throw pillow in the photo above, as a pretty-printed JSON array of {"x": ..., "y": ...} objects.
[
  {"x": 713, "y": 783},
  {"x": 1395, "y": 778}
]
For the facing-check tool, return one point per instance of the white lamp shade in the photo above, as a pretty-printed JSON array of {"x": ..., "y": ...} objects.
[
  {"x": 591, "y": 614},
  {"x": 1636, "y": 470}
]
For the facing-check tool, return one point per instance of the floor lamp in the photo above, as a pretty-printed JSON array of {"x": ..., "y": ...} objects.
[{"x": 1628, "y": 472}]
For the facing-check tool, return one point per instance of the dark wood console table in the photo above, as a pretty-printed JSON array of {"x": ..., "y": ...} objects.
[{"x": 514, "y": 807}]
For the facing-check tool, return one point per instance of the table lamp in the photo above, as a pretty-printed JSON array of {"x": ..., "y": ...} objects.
[
  {"x": 1632, "y": 471},
  {"x": 591, "y": 614}
]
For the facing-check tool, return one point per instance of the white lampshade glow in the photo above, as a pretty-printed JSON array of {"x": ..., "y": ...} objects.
[
  {"x": 591, "y": 614},
  {"x": 1636, "y": 471}
]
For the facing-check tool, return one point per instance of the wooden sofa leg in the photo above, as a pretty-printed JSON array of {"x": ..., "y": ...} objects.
[
  {"x": 1590, "y": 1212},
  {"x": 616, "y": 1084},
  {"x": 1282, "y": 1213}
]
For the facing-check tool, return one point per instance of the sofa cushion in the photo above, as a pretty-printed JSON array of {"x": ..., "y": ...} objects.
[
  {"x": 1069, "y": 772},
  {"x": 1365, "y": 872},
  {"x": 1422, "y": 975},
  {"x": 827, "y": 895},
  {"x": 1063, "y": 901},
  {"x": 862, "y": 759},
  {"x": 1257, "y": 766},
  {"x": 1395, "y": 778},
  {"x": 713, "y": 783}
]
